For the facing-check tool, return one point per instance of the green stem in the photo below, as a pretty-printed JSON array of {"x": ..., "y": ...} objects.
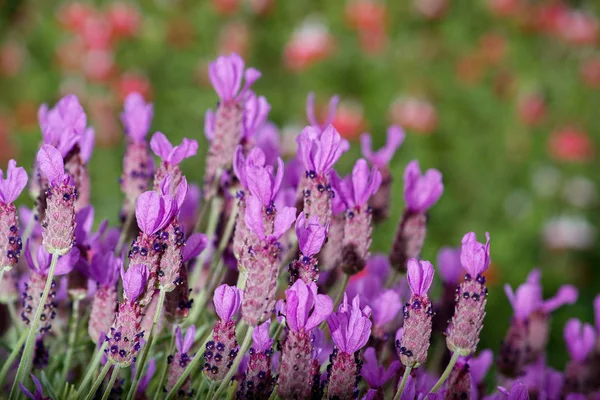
[
  {"x": 72, "y": 339},
  {"x": 29, "y": 227},
  {"x": 402, "y": 383},
  {"x": 200, "y": 387},
  {"x": 165, "y": 369},
  {"x": 125, "y": 231},
  {"x": 214, "y": 187},
  {"x": 199, "y": 304},
  {"x": 111, "y": 382},
  {"x": 278, "y": 332},
  {"x": 92, "y": 367},
  {"x": 25, "y": 363},
  {"x": 13, "y": 355},
  {"x": 14, "y": 317},
  {"x": 99, "y": 381},
  {"x": 139, "y": 369},
  {"x": 211, "y": 390},
  {"x": 188, "y": 370},
  {"x": 213, "y": 219},
  {"x": 446, "y": 373},
  {"x": 391, "y": 278},
  {"x": 274, "y": 394},
  {"x": 339, "y": 297},
  {"x": 236, "y": 363}
]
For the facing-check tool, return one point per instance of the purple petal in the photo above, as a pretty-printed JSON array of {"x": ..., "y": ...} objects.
[
  {"x": 580, "y": 339},
  {"x": 283, "y": 221},
  {"x": 253, "y": 216},
  {"x": 50, "y": 162},
  {"x": 137, "y": 116},
  {"x": 135, "y": 281},
  {"x": 66, "y": 263},
  {"x": 15, "y": 182},
  {"x": 149, "y": 212},
  {"x": 421, "y": 192},
  {"x": 186, "y": 149},
  {"x": 475, "y": 256},
  {"x": 260, "y": 184},
  {"x": 449, "y": 267},
  {"x": 597, "y": 312},
  {"x": 321, "y": 311},
  {"x": 420, "y": 276},
  {"x": 179, "y": 340},
  {"x": 194, "y": 245},
  {"x": 256, "y": 110},
  {"x": 227, "y": 300},
  {"x": 386, "y": 307},
  {"x": 567, "y": 294},
  {"x": 261, "y": 339},
  {"x": 311, "y": 236},
  {"x": 86, "y": 144},
  {"x": 209, "y": 125},
  {"x": 480, "y": 365},
  {"x": 26, "y": 392},
  {"x": 188, "y": 341},
  {"x": 160, "y": 145}
]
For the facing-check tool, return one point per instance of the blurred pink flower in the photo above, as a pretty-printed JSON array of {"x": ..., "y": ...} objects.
[
  {"x": 73, "y": 16},
  {"x": 12, "y": 57},
  {"x": 98, "y": 65},
  {"x": 590, "y": 72},
  {"x": 234, "y": 38},
  {"x": 366, "y": 14},
  {"x": 430, "y": 9},
  {"x": 96, "y": 32},
  {"x": 577, "y": 27},
  {"x": 531, "y": 108},
  {"x": 504, "y": 8},
  {"x": 261, "y": 7},
  {"x": 125, "y": 19},
  {"x": 225, "y": 7},
  {"x": 570, "y": 144},
  {"x": 310, "y": 43},
  {"x": 414, "y": 114},
  {"x": 349, "y": 119},
  {"x": 130, "y": 82}
]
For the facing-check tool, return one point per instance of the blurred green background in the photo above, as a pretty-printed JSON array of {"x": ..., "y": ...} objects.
[{"x": 501, "y": 95}]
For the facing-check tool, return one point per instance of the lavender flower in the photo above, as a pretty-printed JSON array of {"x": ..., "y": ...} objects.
[
  {"x": 528, "y": 334},
  {"x": 350, "y": 329},
  {"x": 223, "y": 348},
  {"x": 311, "y": 237},
  {"x": 451, "y": 272},
  {"x": 180, "y": 360},
  {"x": 171, "y": 156},
  {"x": 580, "y": 373},
  {"x": 421, "y": 192},
  {"x": 39, "y": 390},
  {"x": 356, "y": 190},
  {"x": 59, "y": 221},
  {"x": 376, "y": 375},
  {"x": 304, "y": 310},
  {"x": 310, "y": 112},
  {"x": 104, "y": 270},
  {"x": 319, "y": 151},
  {"x": 258, "y": 380},
  {"x": 256, "y": 110},
  {"x": 124, "y": 340},
  {"x": 10, "y": 240},
  {"x": 385, "y": 308},
  {"x": 471, "y": 297},
  {"x": 381, "y": 158}
]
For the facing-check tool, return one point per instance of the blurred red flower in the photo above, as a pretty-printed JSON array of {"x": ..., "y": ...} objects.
[
  {"x": 96, "y": 32},
  {"x": 98, "y": 65},
  {"x": 133, "y": 82},
  {"x": 125, "y": 19},
  {"x": 590, "y": 72},
  {"x": 12, "y": 56},
  {"x": 414, "y": 114},
  {"x": 349, "y": 119},
  {"x": 431, "y": 9},
  {"x": 577, "y": 27},
  {"x": 310, "y": 43},
  {"x": 73, "y": 16},
  {"x": 225, "y": 7},
  {"x": 531, "y": 108},
  {"x": 570, "y": 144}
]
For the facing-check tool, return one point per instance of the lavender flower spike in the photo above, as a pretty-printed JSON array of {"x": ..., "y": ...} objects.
[
  {"x": 179, "y": 361},
  {"x": 311, "y": 116},
  {"x": 418, "y": 313},
  {"x": 381, "y": 158},
  {"x": 581, "y": 371},
  {"x": 350, "y": 329},
  {"x": 471, "y": 297},
  {"x": 39, "y": 390},
  {"x": 171, "y": 156},
  {"x": 10, "y": 240},
  {"x": 222, "y": 349},
  {"x": 258, "y": 379},
  {"x": 356, "y": 191},
  {"x": 59, "y": 221},
  {"x": 137, "y": 117},
  {"x": 226, "y": 77},
  {"x": 579, "y": 339},
  {"x": 420, "y": 193},
  {"x": 311, "y": 237},
  {"x": 104, "y": 269}
]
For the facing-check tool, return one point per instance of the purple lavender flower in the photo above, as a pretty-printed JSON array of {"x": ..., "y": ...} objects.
[
  {"x": 385, "y": 308},
  {"x": 226, "y": 77},
  {"x": 137, "y": 117},
  {"x": 39, "y": 390},
  {"x": 311, "y": 237},
  {"x": 171, "y": 156},
  {"x": 350, "y": 329},
  {"x": 518, "y": 391},
  {"x": 543, "y": 381},
  {"x": 580, "y": 373},
  {"x": 180, "y": 360},
  {"x": 10, "y": 240},
  {"x": 59, "y": 220},
  {"x": 146, "y": 378},
  {"x": 256, "y": 110},
  {"x": 304, "y": 310},
  {"x": 471, "y": 297},
  {"x": 376, "y": 375},
  {"x": 258, "y": 380},
  {"x": 381, "y": 158},
  {"x": 449, "y": 266},
  {"x": 310, "y": 112},
  {"x": 62, "y": 125},
  {"x": 104, "y": 270},
  {"x": 355, "y": 191},
  {"x": 267, "y": 140},
  {"x": 223, "y": 348}
]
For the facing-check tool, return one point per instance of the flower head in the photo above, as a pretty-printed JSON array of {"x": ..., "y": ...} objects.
[
  {"x": 227, "y": 300},
  {"x": 51, "y": 163},
  {"x": 137, "y": 116},
  {"x": 14, "y": 183},
  {"x": 579, "y": 338},
  {"x": 311, "y": 235},
  {"x": 63, "y": 125},
  {"x": 420, "y": 276},
  {"x": 174, "y": 155},
  {"x": 134, "y": 281},
  {"x": 284, "y": 218},
  {"x": 39, "y": 391},
  {"x": 382, "y": 157},
  {"x": 475, "y": 256},
  {"x": 421, "y": 191},
  {"x": 449, "y": 267},
  {"x": 105, "y": 268},
  {"x": 256, "y": 110},
  {"x": 263, "y": 182},
  {"x": 310, "y": 112},
  {"x": 225, "y": 74},
  {"x": 376, "y": 375},
  {"x": 261, "y": 341},
  {"x": 184, "y": 344},
  {"x": 241, "y": 165},
  {"x": 318, "y": 150},
  {"x": 153, "y": 211},
  {"x": 360, "y": 185},
  {"x": 350, "y": 326},
  {"x": 305, "y": 309}
]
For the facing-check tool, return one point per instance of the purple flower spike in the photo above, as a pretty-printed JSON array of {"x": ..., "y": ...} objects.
[
  {"x": 376, "y": 375},
  {"x": 382, "y": 157},
  {"x": 311, "y": 235},
  {"x": 305, "y": 309},
  {"x": 449, "y": 267},
  {"x": 320, "y": 151},
  {"x": 263, "y": 183},
  {"x": 580, "y": 339},
  {"x": 310, "y": 111},
  {"x": 174, "y": 155},
  {"x": 261, "y": 341},
  {"x": 14, "y": 183},
  {"x": 227, "y": 300},
  {"x": 50, "y": 162},
  {"x": 153, "y": 211},
  {"x": 420, "y": 276},
  {"x": 350, "y": 327},
  {"x": 256, "y": 110},
  {"x": 475, "y": 256},
  {"x": 421, "y": 191},
  {"x": 39, "y": 391},
  {"x": 134, "y": 281},
  {"x": 358, "y": 187},
  {"x": 184, "y": 344},
  {"x": 226, "y": 77},
  {"x": 62, "y": 125},
  {"x": 137, "y": 116},
  {"x": 241, "y": 164}
]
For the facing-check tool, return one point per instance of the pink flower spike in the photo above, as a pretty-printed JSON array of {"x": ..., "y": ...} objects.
[
  {"x": 580, "y": 339},
  {"x": 50, "y": 162},
  {"x": 184, "y": 344},
  {"x": 194, "y": 245},
  {"x": 475, "y": 256},
  {"x": 135, "y": 281},
  {"x": 421, "y": 192},
  {"x": 14, "y": 183},
  {"x": 311, "y": 235},
  {"x": 261, "y": 341},
  {"x": 137, "y": 116},
  {"x": 227, "y": 300},
  {"x": 567, "y": 294},
  {"x": 382, "y": 157},
  {"x": 420, "y": 276}
]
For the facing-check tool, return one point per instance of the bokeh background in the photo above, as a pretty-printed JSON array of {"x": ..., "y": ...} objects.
[{"x": 501, "y": 95}]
